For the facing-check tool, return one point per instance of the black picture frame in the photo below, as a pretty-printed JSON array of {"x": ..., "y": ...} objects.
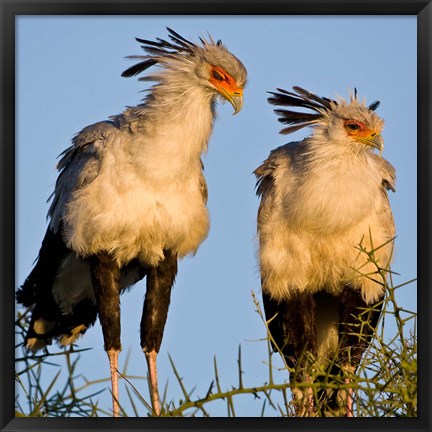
[{"x": 12, "y": 8}]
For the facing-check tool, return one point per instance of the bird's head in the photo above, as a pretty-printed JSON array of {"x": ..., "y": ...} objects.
[
  {"x": 209, "y": 65},
  {"x": 340, "y": 121}
]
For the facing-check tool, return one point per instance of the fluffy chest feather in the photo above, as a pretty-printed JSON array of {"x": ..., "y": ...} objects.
[
  {"x": 149, "y": 195},
  {"x": 310, "y": 231},
  {"x": 331, "y": 196}
]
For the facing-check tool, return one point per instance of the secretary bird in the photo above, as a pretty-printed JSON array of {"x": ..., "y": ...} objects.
[
  {"x": 326, "y": 233},
  {"x": 130, "y": 200}
]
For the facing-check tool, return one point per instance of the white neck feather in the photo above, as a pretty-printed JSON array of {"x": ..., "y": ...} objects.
[{"x": 174, "y": 125}]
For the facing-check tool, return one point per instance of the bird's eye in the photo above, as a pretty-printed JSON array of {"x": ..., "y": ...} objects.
[
  {"x": 352, "y": 127},
  {"x": 217, "y": 75}
]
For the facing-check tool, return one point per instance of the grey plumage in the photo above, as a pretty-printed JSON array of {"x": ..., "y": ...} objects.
[
  {"x": 130, "y": 200},
  {"x": 321, "y": 198}
]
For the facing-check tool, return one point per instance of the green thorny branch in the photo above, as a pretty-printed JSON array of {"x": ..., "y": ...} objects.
[
  {"x": 385, "y": 383},
  {"x": 66, "y": 393}
]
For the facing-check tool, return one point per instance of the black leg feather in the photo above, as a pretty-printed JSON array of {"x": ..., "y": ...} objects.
[
  {"x": 292, "y": 326},
  {"x": 357, "y": 322},
  {"x": 105, "y": 274},
  {"x": 160, "y": 280}
]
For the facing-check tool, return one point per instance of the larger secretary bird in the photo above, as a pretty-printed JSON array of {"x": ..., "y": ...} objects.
[
  {"x": 130, "y": 200},
  {"x": 326, "y": 234}
]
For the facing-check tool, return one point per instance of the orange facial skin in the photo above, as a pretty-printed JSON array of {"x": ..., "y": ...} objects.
[
  {"x": 226, "y": 85},
  {"x": 222, "y": 79},
  {"x": 356, "y": 128},
  {"x": 359, "y": 131}
]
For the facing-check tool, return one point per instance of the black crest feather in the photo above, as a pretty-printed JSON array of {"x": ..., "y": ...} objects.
[
  {"x": 300, "y": 98},
  {"x": 138, "y": 68},
  {"x": 374, "y": 105},
  {"x": 159, "y": 48}
]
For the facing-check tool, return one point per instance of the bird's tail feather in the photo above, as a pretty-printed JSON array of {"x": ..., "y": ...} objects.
[
  {"x": 47, "y": 321},
  {"x": 64, "y": 329}
]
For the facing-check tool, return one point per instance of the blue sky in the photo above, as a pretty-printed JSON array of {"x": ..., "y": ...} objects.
[{"x": 68, "y": 76}]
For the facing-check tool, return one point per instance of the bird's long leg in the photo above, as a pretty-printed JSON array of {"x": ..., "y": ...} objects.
[
  {"x": 105, "y": 274},
  {"x": 292, "y": 326},
  {"x": 349, "y": 399},
  {"x": 358, "y": 321},
  {"x": 160, "y": 280},
  {"x": 153, "y": 380},
  {"x": 310, "y": 403},
  {"x": 113, "y": 361}
]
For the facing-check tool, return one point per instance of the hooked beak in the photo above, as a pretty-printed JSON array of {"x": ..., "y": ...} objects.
[
  {"x": 233, "y": 96},
  {"x": 375, "y": 141},
  {"x": 236, "y": 101}
]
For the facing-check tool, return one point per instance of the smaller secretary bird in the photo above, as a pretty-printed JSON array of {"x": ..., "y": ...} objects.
[
  {"x": 130, "y": 200},
  {"x": 325, "y": 238}
]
